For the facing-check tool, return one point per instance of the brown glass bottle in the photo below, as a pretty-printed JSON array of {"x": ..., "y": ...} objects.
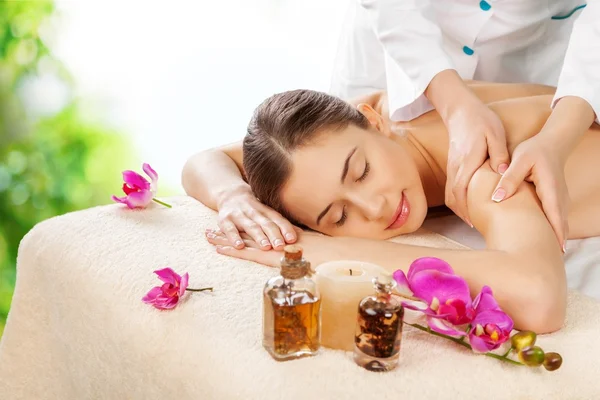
[
  {"x": 379, "y": 328},
  {"x": 291, "y": 310}
]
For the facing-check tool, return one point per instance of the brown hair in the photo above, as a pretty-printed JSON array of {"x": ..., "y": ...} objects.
[{"x": 281, "y": 124}]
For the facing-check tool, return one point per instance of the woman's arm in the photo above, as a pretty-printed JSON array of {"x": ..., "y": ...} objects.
[
  {"x": 523, "y": 263},
  {"x": 215, "y": 178},
  {"x": 214, "y": 175}
]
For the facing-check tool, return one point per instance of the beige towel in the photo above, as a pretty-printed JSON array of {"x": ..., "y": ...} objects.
[{"x": 78, "y": 330}]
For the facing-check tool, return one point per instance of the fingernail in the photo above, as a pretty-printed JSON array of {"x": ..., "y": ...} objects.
[
  {"x": 498, "y": 195},
  {"x": 264, "y": 243},
  {"x": 468, "y": 221},
  {"x": 223, "y": 248},
  {"x": 209, "y": 230},
  {"x": 289, "y": 236},
  {"x": 564, "y": 246},
  {"x": 239, "y": 243},
  {"x": 210, "y": 235},
  {"x": 502, "y": 168},
  {"x": 278, "y": 242}
]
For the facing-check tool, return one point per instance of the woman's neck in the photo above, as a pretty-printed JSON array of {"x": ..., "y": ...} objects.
[{"x": 433, "y": 177}]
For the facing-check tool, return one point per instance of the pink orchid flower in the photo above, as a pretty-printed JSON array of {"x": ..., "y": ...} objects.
[
  {"x": 167, "y": 295},
  {"x": 446, "y": 300},
  {"x": 491, "y": 326},
  {"x": 139, "y": 192}
]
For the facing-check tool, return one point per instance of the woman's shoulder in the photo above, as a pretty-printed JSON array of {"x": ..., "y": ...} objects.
[{"x": 522, "y": 117}]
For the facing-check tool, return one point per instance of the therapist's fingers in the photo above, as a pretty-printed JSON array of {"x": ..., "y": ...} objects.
[
  {"x": 516, "y": 173},
  {"x": 461, "y": 185},
  {"x": 499, "y": 156},
  {"x": 555, "y": 209},
  {"x": 552, "y": 191}
]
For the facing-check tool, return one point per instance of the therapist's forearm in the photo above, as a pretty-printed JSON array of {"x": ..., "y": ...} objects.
[
  {"x": 447, "y": 91},
  {"x": 571, "y": 118},
  {"x": 211, "y": 177}
]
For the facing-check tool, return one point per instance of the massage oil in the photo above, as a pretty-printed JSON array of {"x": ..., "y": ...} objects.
[{"x": 291, "y": 310}]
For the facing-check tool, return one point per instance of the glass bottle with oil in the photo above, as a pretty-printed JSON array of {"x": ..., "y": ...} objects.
[
  {"x": 292, "y": 309},
  {"x": 379, "y": 328}
]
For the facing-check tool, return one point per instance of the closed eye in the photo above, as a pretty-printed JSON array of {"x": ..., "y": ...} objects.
[
  {"x": 365, "y": 173},
  {"x": 343, "y": 218}
]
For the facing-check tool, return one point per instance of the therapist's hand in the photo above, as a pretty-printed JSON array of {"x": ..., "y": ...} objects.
[
  {"x": 242, "y": 212},
  {"x": 475, "y": 132},
  {"x": 542, "y": 163}
]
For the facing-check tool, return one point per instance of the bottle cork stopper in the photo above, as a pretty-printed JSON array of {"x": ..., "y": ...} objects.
[{"x": 292, "y": 252}]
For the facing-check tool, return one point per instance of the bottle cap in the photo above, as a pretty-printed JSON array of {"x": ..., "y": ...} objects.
[
  {"x": 384, "y": 282},
  {"x": 292, "y": 252}
]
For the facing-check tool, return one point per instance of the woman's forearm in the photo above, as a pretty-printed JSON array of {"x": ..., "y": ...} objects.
[
  {"x": 571, "y": 118},
  {"x": 533, "y": 299},
  {"x": 212, "y": 176}
]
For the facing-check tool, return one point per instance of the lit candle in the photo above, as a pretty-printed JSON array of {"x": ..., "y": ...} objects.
[{"x": 343, "y": 284}]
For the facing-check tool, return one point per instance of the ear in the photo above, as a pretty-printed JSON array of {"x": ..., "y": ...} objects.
[{"x": 375, "y": 119}]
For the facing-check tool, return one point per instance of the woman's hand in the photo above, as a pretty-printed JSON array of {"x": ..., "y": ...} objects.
[
  {"x": 474, "y": 131},
  {"x": 542, "y": 163},
  {"x": 242, "y": 212},
  {"x": 317, "y": 248}
]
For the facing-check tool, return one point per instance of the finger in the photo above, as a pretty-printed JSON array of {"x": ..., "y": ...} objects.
[
  {"x": 249, "y": 241},
  {"x": 555, "y": 208},
  {"x": 450, "y": 178},
  {"x": 461, "y": 185},
  {"x": 269, "y": 258},
  {"x": 499, "y": 156},
  {"x": 215, "y": 239},
  {"x": 256, "y": 232},
  {"x": 511, "y": 180},
  {"x": 285, "y": 227},
  {"x": 553, "y": 212},
  {"x": 272, "y": 230},
  {"x": 231, "y": 231}
]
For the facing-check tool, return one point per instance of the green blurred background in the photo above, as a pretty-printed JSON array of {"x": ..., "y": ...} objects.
[{"x": 49, "y": 164}]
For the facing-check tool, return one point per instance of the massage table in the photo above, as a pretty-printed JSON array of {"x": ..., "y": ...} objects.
[{"x": 78, "y": 329}]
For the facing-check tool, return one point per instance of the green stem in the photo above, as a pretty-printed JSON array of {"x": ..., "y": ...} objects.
[
  {"x": 507, "y": 352},
  {"x": 199, "y": 290},
  {"x": 461, "y": 341},
  {"x": 162, "y": 203},
  {"x": 428, "y": 330}
]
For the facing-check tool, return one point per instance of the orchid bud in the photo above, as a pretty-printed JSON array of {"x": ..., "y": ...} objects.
[
  {"x": 532, "y": 356},
  {"x": 552, "y": 361},
  {"x": 523, "y": 339}
]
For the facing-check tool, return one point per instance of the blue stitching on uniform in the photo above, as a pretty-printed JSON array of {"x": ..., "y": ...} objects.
[{"x": 571, "y": 13}]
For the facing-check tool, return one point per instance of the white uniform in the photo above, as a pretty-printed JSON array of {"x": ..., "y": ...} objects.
[{"x": 400, "y": 45}]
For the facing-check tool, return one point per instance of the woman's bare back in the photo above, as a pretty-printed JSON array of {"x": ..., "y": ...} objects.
[{"x": 524, "y": 117}]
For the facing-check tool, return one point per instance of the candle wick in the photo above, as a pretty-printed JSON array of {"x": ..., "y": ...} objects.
[{"x": 350, "y": 271}]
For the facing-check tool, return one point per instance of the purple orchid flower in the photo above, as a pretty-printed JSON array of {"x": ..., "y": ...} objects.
[
  {"x": 491, "y": 326},
  {"x": 139, "y": 192},
  {"x": 446, "y": 300},
  {"x": 167, "y": 295}
]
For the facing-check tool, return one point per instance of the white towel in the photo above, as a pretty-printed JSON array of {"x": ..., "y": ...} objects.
[{"x": 78, "y": 329}]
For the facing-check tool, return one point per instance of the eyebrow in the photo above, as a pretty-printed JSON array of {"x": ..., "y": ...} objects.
[{"x": 344, "y": 174}]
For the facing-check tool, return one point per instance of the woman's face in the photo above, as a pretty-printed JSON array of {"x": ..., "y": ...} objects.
[{"x": 355, "y": 182}]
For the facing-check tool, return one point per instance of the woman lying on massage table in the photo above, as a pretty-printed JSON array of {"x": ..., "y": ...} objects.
[{"x": 345, "y": 170}]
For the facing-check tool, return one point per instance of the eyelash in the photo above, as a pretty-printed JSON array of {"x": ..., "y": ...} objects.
[
  {"x": 364, "y": 175},
  {"x": 343, "y": 219},
  {"x": 362, "y": 178}
]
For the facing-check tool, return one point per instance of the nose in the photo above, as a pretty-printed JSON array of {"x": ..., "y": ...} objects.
[{"x": 372, "y": 206}]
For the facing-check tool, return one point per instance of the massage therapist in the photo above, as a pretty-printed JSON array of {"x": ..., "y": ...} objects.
[{"x": 418, "y": 50}]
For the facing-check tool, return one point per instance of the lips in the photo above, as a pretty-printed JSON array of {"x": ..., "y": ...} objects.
[{"x": 401, "y": 215}]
